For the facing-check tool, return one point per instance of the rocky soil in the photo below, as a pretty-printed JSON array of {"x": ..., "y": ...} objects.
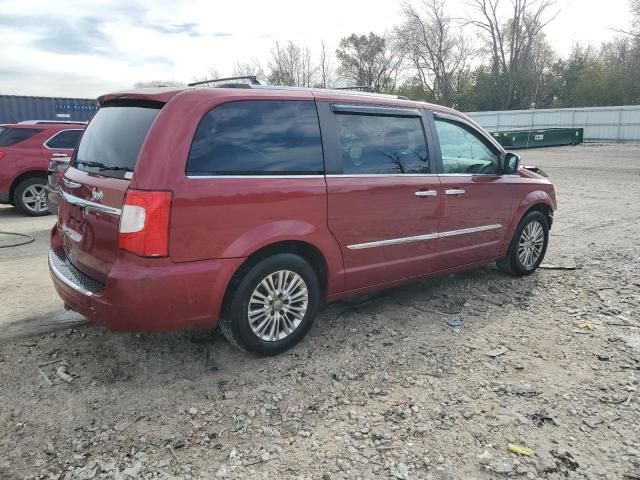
[{"x": 471, "y": 376}]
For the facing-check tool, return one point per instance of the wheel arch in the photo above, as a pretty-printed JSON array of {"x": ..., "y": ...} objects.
[
  {"x": 24, "y": 176},
  {"x": 538, "y": 200},
  {"x": 306, "y": 250}
]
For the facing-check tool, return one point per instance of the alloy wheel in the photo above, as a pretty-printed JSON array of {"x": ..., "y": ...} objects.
[
  {"x": 531, "y": 244},
  {"x": 278, "y": 305},
  {"x": 34, "y": 198}
]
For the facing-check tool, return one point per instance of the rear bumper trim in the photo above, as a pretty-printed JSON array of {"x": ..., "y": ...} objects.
[{"x": 72, "y": 277}]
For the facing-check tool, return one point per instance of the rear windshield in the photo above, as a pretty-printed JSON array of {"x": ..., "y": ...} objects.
[
  {"x": 111, "y": 142},
  {"x": 11, "y": 136}
]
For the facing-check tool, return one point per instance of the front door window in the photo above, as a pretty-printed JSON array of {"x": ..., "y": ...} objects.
[{"x": 464, "y": 152}]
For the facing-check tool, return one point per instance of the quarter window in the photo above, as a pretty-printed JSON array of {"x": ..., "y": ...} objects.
[
  {"x": 67, "y": 139},
  {"x": 258, "y": 137},
  {"x": 11, "y": 136},
  {"x": 376, "y": 144},
  {"x": 463, "y": 151}
]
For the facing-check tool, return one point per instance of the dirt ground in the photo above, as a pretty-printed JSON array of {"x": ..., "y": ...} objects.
[{"x": 381, "y": 388}]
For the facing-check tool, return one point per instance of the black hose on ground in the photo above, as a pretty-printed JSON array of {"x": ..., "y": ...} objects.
[{"x": 29, "y": 239}]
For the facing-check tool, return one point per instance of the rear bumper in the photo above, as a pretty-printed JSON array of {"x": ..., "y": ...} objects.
[
  {"x": 145, "y": 294},
  {"x": 4, "y": 197}
]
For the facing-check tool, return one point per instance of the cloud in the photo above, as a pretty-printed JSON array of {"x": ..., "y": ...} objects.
[
  {"x": 61, "y": 35},
  {"x": 157, "y": 60},
  {"x": 83, "y": 36},
  {"x": 188, "y": 28}
]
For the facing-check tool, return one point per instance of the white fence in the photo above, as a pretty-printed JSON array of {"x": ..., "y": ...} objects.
[{"x": 601, "y": 124}]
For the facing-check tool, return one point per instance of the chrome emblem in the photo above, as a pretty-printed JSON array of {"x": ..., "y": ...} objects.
[{"x": 96, "y": 195}]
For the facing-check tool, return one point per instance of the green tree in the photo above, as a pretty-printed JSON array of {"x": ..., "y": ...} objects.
[{"x": 370, "y": 61}]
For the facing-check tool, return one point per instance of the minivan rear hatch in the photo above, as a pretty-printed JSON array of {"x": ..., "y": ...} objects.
[{"x": 94, "y": 187}]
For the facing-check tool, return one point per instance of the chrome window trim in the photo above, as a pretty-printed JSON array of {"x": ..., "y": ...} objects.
[
  {"x": 197, "y": 177},
  {"x": 90, "y": 205},
  {"x": 360, "y": 109},
  {"x": 64, "y": 279},
  {"x": 421, "y": 238},
  {"x": 376, "y": 175},
  {"x": 44, "y": 144},
  {"x": 479, "y": 175}
]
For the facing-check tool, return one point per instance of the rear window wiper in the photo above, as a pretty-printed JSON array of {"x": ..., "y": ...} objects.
[
  {"x": 106, "y": 167},
  {"x": 101, "y": 166}
]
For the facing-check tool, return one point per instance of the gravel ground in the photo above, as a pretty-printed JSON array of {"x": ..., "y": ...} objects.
[{"x": 381, "y": 388}]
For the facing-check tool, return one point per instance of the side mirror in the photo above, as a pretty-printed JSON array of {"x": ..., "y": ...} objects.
[{"x": 510, "y": 163}]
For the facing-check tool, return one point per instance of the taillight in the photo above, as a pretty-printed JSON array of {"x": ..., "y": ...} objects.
[
  {"x": 2, "y": 154},
  {"x": 144, "y": 223}
]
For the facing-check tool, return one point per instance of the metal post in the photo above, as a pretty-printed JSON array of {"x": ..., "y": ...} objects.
[{"x": 620, "y": 125}]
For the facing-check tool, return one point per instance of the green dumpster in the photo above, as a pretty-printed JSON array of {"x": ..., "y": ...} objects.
[{"x": 545, "y": 137}]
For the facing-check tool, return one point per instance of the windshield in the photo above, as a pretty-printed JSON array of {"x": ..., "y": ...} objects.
[{"x": 111, "y": 142}]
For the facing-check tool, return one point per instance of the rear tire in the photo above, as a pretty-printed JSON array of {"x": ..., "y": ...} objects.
[
  {"x": 528, "y": 246},
  {"x": 273, "y": 306},
  {"x": 30, "y": 196}
]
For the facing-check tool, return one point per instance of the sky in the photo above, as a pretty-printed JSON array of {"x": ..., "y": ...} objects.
[{"x": 81, "y": 48}]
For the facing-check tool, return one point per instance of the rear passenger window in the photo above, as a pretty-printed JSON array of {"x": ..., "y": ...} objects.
[
  {"x": 11, "y": 136},
  {"x": 374, "y": 144},
  {"x": 258, "y": 137},
  {"x": 65, "y": 139}
]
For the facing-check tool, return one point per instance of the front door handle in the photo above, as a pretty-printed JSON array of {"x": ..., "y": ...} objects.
[
  {"x": 427, "y": 193},
  {"x": 455, "y": 191}
]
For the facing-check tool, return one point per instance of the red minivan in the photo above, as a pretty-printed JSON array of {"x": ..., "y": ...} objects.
[
  {"x": 25, "y": 151},
  {"x": 249, "y": 207}
]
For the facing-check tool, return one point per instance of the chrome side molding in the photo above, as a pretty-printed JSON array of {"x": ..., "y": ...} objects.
[
  {"x": 393, "y": 241},
  {"x": 422, "y": 238}
]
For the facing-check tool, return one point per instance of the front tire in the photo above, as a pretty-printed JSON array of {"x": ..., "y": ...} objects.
[
  {"x": 30, "y": 197},
  {"x": 273, "y": 306},
  {"x": 528, "y": 246}
]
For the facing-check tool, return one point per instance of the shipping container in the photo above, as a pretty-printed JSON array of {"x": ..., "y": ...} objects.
[
  {"x": 601, "y": 124},
  {"x": 547, "y": 137},
  {"x": 14, "y": 108}
]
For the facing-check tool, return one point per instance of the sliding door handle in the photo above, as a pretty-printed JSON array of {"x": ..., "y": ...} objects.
[
  {"x": 427, "y": 193},
  {"x": 455, "y": 191}
]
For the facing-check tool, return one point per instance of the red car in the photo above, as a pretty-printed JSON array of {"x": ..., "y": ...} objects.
[
  {"x": 25, "y": 150},
  {"x": 249, "y": 207}
]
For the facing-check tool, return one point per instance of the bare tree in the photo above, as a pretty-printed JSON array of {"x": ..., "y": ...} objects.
[
  {"x": 158, "y": 83},
  {"x": 291, "y": 65},
  {"x": 635, "y": 12},
  {"x": 511, "y": 42},
  {"x": 325, "y": 66},
  {"x": 372, "y": 61},
  {"x": 210, "y": 74},
  {"x": 248, "y": 69},
  {"x": 435, "y": 48}
]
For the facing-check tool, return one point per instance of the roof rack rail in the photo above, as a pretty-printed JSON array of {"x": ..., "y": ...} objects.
[
  {"x": 253, "y": 80},
  {"x": 38, "y": 122},
  {"x": 357, "y": 88},
  {"x": 254, "y": 83}
]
